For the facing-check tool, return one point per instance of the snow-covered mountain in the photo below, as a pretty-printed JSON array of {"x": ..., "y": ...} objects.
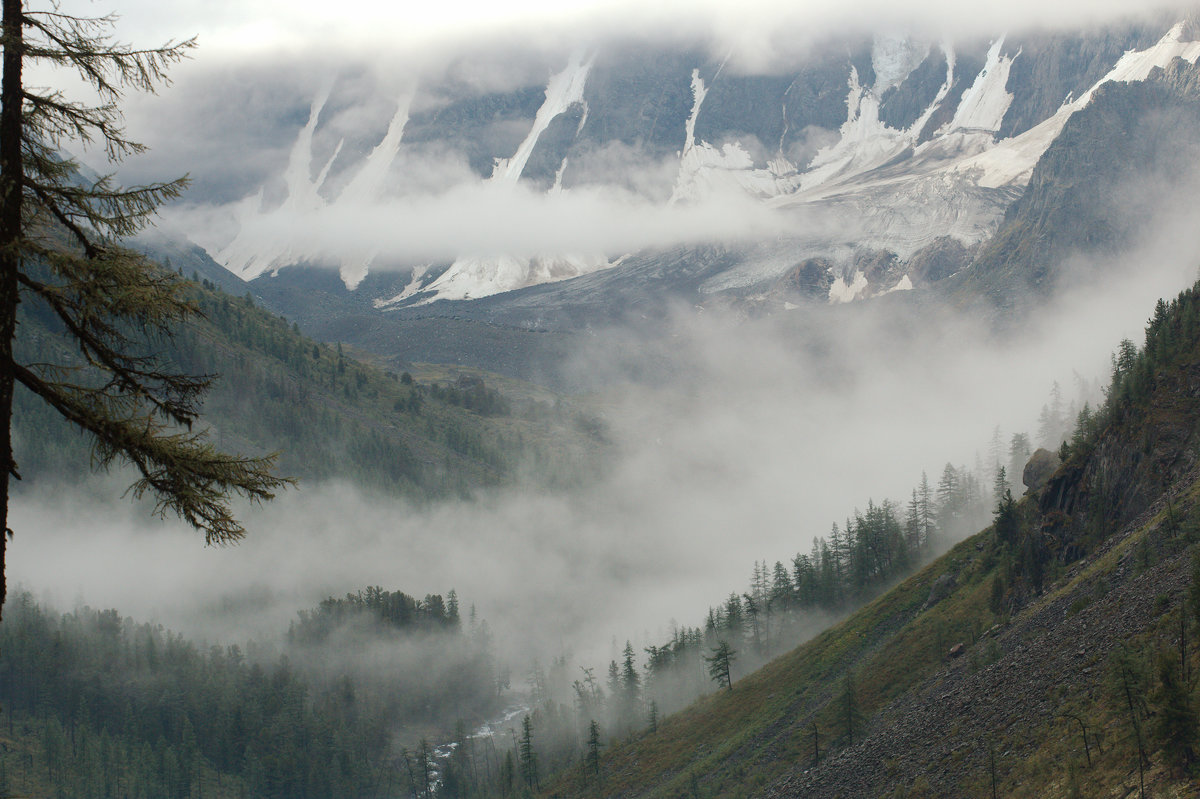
[{"x": 912, "y": 148}]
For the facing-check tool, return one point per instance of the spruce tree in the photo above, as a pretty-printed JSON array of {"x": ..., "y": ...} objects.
[
  {"x": 719, "y": 663},
  {"x": 1005, "y": 521},
  {"x": 950, "y": 500},
  {"x": 527, "y": 756},
  {"x": 61, "y": 251},
  {"x": 925, "y": 510},
  {"x": 1019, "y": 450},
  {"x": 592, "y": 759},
  {"x": 912, "y": 524},
  {"x": 631, "y": 684},
  {"x": 782, "y": 589},
  {"x": 849, "y": 710}
]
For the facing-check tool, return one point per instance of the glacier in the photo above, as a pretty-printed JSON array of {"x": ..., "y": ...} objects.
[{"x": 898, "y": 189}]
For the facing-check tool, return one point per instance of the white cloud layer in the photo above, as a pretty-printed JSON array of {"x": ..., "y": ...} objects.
[
  {"x": 227, "y": 26},
  {"x": 486, "y": 220},
  {"x": 753, "y": 438}
]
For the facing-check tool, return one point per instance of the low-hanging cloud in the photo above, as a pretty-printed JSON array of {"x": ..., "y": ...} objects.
[
  {"x": 489, "y": 219},
  {"x": 747, "y": 440},
  {"x": 750, "y": 440},
  {"x": 763, "y": 29}
]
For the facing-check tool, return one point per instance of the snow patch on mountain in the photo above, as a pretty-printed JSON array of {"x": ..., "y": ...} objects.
[
  {"x": 564, "y": 90},
  {"x": 842, "y": 291},
  {"x": 257, "y": 247},
  {"x": 893, "y": 58},
  {"x": 472, "y": 277},
  {"x": 894, "y": 191},
  {"x": 957, "y": 183},
  {"x": 1012, "y": 160},
  {"x": 368, "y": 185},
  {"x": 264, "y": 240},
  {"x": 984, "y": 105},
  {"x": 413, "y": 287},
  {"x": 940, "y": 97},
  {"x": 1137, "y": 65},
  {"x": 706, "y": 170},
  {"x": 866, "y": 142},
  {"x": 475, "y": 276}
]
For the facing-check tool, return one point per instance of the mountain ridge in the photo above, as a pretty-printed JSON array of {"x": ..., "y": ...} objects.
[{"x": 995, "y": 111}]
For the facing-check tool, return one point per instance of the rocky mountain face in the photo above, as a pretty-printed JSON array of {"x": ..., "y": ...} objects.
[
  {"x": 1089, "y": 194},
  {"x": 922, "y": 170},
  {"x": 914, "y": 148},
  {"x": 972, "y": 169}
]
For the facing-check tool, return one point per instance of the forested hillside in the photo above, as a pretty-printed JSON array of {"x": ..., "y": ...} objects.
[
  {"x": 1052, "y": 654},
  {"x": 97, "y": 705},
  {"x": 329, "y": 415}
]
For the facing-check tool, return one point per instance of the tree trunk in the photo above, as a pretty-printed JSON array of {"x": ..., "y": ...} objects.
[{"x": 11, "y": 180}]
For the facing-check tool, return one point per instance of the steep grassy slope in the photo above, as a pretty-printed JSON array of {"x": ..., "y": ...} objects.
[
  {"x": 1077, "y": 588},
  {"x": 330, "y": 415}
]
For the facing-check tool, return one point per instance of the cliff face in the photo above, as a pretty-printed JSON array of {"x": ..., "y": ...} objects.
[
  {"x": 1090, "y": 192},
  {"x": 1054, "y": 66},
  {"x": 1130, "y": 467}
]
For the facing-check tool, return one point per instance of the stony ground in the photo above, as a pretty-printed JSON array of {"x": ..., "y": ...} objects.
[{"x": 937, "y": 735}]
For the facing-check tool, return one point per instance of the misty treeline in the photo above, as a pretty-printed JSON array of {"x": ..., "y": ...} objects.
[
  {"x": 96, "y": 705},
  {"x": 576, "y": 710}
]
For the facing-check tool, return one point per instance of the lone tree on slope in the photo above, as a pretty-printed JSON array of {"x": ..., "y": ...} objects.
[
  {"x": 718, "y": 665},
  {"x": 59, "y": 248}
]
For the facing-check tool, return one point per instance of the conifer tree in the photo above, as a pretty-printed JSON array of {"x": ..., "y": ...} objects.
[
  {"x": 949, "y": 498},
  {"x": 631, "y": 682},
  {"x": 1019, "y": 450},
  {"x": 1005, "y": 521},
  {"x": 508, "y": 771},
  {"x": 592, "y": 759},
  {"x": 848, "y": 708},
  {"x": 925, "y": 510},
  {"x": 751, "y": 607},
  {"x": 1000, "y": 484},
  {"x": 995, "y": 452},
  {"x": 719, "y": 663},
  {"x": 60, "y": 249},
  {"x": 1127, "y": 683},
  {"x": 425, "y": 763},
  {"x": 912, "y": 523},
  {"x": 782, "y": 589},
  {"x": 527, "y": 756}
]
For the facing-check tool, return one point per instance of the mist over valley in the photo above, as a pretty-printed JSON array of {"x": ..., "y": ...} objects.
[{"x": 637, "y": 381}]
